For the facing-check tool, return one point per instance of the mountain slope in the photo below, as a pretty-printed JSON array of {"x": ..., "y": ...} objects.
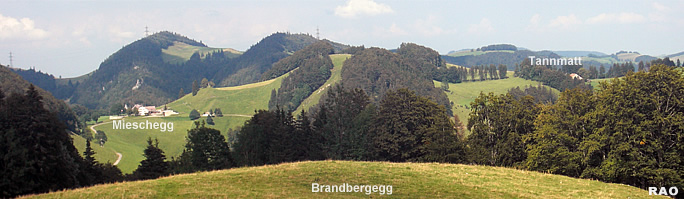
[
  {"x": 249, "y": 67},
  {"x": 408, "y": 180},
  {"x": 11, "y": 82},
  {"x": 136, "y": 74}
]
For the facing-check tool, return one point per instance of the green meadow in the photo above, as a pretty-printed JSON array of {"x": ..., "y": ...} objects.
[
  {"x": 408, "y": 180},
  {"x": 131, "y": 142},
  {"x": 102, "y": 154},
  {"x": 181, "y": 52},
  {"x": 241, "y": 100}
]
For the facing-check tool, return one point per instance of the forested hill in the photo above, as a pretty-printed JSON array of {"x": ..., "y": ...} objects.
[
  {"x": 313, "y": 66},
  {"x": 378, "y": 71},
  {"x": 249, "y": 67},
  {"x": 496, "y": 57},
  {"x": 141, "y": 73},
  {"x": 11, "y": 83},
  {"x": 48, "y": 82},
  {"x": 136, "y": 74}
]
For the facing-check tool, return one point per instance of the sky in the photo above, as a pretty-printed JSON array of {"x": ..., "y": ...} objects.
[{"x": 71, "y": 38}]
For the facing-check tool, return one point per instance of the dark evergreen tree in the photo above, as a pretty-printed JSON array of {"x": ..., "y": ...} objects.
[
  {"x": 154, "y": 165},
  {"x": 195, "y": 88},
  {"x": 194, "y": 114},
  {"x": 218, "y": 112},
  {"x": 181, "y": 93},
  {"x": 210, "y": 120},
  {"x": 39, "y": 155},
  {"x": 502, "y": 71}
]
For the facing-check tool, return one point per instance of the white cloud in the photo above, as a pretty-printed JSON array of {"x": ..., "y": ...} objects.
[
  {"x": 565, "y": 22},
  {"x": 396, "y": 30},
  {"x": 24, "y": 28},
  {"x": 660, "y": 7},
  {"x": 485, "y": 26},
  {"x": 354, "y": 8},
  {"x": 120, "y": 36},
  {"x": 534, "y": 23},
  {"x": 622, "y": 18}
]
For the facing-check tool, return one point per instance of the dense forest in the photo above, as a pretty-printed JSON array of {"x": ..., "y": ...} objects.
[
  {"x": 313, "y": 66},
  {"x": 37, "y": 152},
  {"x": 378, "y": 71},
  {"x": 11, "y": 82},
  {"x": 48, "y": 82}
]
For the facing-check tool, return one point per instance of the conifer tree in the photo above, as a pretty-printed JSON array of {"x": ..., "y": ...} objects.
[
  {"x": 210, "y": 120},
  {"x": 195, "y": 88},
  {"x": 154, "y": 165}
]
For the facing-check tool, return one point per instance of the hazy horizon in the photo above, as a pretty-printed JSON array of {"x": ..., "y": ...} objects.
[{"x": 70, "y": 38}]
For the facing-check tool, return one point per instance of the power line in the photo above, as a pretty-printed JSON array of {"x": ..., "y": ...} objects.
[
  {"x": 318, "y": 34},
  {"x": 146, "y": 32},
  {"x": 11, "y": 64}
]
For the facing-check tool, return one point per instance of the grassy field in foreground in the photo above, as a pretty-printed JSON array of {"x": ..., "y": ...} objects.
[
  {"x": 461, "y": 94},
  {"x": 335, "y": 77},
  {"x": 408, "y": 180},
  {"x": 131, "y": 143}
]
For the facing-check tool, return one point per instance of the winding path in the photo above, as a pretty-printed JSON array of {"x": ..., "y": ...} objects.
[{"x": 119, "y": 156}]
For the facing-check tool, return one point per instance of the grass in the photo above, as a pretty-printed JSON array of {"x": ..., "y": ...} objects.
[
  {"x": 461, "y": 94},
  {"x": 628, "y": 56},
  {"x": 102, "y": 154},
  {"x": 241, "y": 100},
  {"x": 131, "y": 143},
  {"x": 408, "y": 180},
  {"x": 335, "y": 77},
  {"x": 595, "y": 82},
  {"x": 181, "y": 52}
]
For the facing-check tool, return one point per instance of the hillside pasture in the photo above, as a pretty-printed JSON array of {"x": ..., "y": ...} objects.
[
  {"x": 335, "y": 77},
  {"x": 408, "y": 180},
  {"x": 131, "y": 143},
  {"x": 181, "y": 52}
]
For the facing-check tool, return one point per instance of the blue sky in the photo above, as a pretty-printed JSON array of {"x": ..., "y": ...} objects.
[{"x": 71, "y": 38}]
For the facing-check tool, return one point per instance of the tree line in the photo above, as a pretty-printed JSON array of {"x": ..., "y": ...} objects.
[
  {"x": 37, "y": 152},
  {"x": 629, "y": 131}
]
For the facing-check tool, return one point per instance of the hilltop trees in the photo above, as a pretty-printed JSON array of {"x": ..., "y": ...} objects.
[
  {"x": 313, "y": 68},
  {"x": 377, "y": 71}
]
